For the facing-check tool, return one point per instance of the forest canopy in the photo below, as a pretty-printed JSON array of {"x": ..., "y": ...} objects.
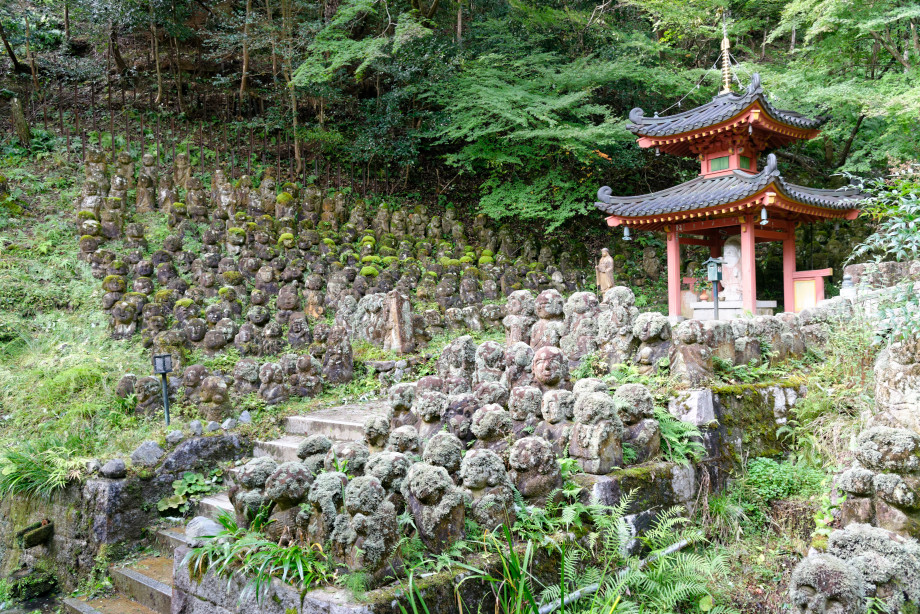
[{"x": 516, "y": 107}]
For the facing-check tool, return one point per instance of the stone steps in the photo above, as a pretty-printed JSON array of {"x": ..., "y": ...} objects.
[
  {"x": 148, "y": 582},
  {"x": 341, "y": 423},
  {"x": 105, "y": 605},
  {"x": 283, "y": 449},
  {"x": 214, "y": 505},
  {"x": 144, "y": 587},
  {"x": 171, "y": 538}
]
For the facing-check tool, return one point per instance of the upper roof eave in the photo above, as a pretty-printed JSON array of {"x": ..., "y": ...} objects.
[{"x": 720, "y": 109}]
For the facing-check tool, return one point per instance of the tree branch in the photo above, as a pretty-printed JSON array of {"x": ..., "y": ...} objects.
[
  {"x": 849, "y": 144},
  {"x": 889, "y": 46}
]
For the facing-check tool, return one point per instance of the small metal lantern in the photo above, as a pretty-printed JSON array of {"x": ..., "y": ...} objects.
[
  {"x": 714, "y": 269},
  {"x": 162, "y": 364},
  {"x": 714, "y": 274}
]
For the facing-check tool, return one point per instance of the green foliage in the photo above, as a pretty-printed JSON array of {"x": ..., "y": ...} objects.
[
  {"x": 771, "y": 480},
  {"x": 189, "y": 488},
  {"x": 680, "y": 441},
  {"x": 591, "y": 365},
  {"x": 97, "y": 582},
  {"x": 6, "y": 594},
  {"x": 599, "y": 567},
  {"x": 238, "y": 553},
  {"x": 895, "y": 210},
  {"x": 39, "y": 467}
]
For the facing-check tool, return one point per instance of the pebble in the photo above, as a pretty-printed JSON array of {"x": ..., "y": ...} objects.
[
  {"x": 211, "y": 427},
  {"x": 195, "y": 427},
  {"x": 228, "y": 424},
  {"x": 245, "y": 417}
]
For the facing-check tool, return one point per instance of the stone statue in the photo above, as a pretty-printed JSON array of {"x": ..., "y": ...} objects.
[
  {"x": 604, "y": 272},
  {"x": 823, "y": 583},
  {"x": 731, "y": 270}
]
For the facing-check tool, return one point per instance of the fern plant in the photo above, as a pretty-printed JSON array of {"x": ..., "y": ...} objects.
[{"x": 680, "y": 441}]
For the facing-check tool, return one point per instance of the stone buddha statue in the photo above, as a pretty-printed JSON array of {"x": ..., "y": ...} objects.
[{"x": 731, "y": 270}]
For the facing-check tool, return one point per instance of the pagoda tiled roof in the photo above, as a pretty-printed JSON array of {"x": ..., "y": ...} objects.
[
  {"x": 723, "y": 107},
  {"x": 704, "y": 192}
]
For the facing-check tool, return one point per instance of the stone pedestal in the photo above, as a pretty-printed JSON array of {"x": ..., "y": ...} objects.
[{"x": 705, "y": 310}]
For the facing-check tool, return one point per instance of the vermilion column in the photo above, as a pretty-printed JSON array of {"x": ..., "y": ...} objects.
[
  {"x": 673, "y": 274},
  {"x": 748, "y": 276},
  {"x": 789, "y": 268}
]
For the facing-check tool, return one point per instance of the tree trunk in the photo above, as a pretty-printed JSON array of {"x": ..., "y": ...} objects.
[
  {"x": 245, "y": 53},
  {"x": 792, "y": 41},
  {"x": 849, "y": 143},
  {"x": 156, "y": 54},
  {"x": 29, "y": 54},
  {"x": 18, "y": 66},
  {"x": 459, "y": 20},
  {"x": 20, "y": 124},
  {"x": 116, "y": 52},
  {"x": 274, "y": 40},
  {"x": 178, "y": 74},
  {"x": 66, "y": 21}
]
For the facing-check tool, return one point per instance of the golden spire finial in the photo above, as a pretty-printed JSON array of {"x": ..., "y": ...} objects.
[{"x": 726, "y": 61}]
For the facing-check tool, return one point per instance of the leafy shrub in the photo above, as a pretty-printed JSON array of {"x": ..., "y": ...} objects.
[
  {"x": 248, "y": 554},
  {"x": 39, "y": 468},
  {"x": 772, "y": 480},
  {"x": 191, "y": 487}
]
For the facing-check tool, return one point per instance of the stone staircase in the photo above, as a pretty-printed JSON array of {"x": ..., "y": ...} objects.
[
  {"x": 145, "y": 586},
  {"x": 340, "y": 423},
  {"x": 142, "y": 587}
]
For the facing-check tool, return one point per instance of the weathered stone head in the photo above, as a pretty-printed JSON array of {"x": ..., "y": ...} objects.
[
  {"x": 824, "y": 584},
  {"x": 534, "y": 470},
  {"x": 444, "y": 450},
  {"x": 436, "y": 505},
  {"x": 550, "y": 368},
  {"x": 486, "y": 483}
]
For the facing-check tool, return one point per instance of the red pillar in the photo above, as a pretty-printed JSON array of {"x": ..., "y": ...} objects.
[
  {"x": 748, "y": 276},
  {"x": 673, "y": 274},
  {"x": 715, "y": 245},
  {"x": 789, "y": 268}
]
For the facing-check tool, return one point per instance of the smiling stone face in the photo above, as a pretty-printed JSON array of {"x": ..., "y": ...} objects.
[{"x": 549, "y": 366}]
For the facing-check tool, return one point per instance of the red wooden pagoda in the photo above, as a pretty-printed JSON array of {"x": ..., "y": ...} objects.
[{"x": 732, "y": 195}]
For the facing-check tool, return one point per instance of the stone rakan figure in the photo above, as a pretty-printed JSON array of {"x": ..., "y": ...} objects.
[
  {"x": 731, "y": 270},
  {"x": 604, "y": 272}
]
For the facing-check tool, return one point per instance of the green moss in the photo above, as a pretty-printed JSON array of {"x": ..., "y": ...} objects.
[
  {"x": 285, "y": 237},
  {"x": 164, "y": 296},
  {"x": 329, "y": 242},
  {"x": 487, "y": 253},
  {"x": 370, "y": 259},
  {"x": 86, "y": 215},
  {"x": 388, "y": 260},
  {"x": 284, "y": 198},
  {"x": 184, "y": 302},
  {"x": 368, "y": 239},
  {"x": 233, "y": 277},
  {"x": 465, "y": 260},
  {"x": 369, "y": 271},
  {"x": 485, "y": 260},
  {"x": 239, "y": 232}
]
